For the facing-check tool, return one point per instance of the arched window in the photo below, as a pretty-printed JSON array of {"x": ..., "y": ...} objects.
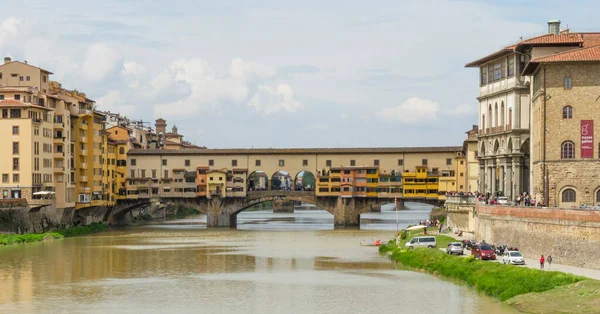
[
  {"x": 567, "y": 112},
  {"x": 502, "y": 114},
  {"x": 510, "y": 118},
  {"x": 567, "y": 150},
  {"x": 568, "y": 83},
  {"x": 496, "y": 115},
  {"x": 490, "y": 116},
  {"x": 598, "y": 196},
  {"x": 568, "y": 196},
  {"x": 483, "y": 122},
  {"x": 121, "y": 150}
]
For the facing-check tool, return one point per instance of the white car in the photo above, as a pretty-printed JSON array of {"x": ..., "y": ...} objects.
[
  {"x": 503, "y": 200},
  {"x": 513, "y": 258}
]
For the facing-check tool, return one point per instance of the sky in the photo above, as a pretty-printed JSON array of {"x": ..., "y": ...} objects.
[{"x": 240, "y": 74}]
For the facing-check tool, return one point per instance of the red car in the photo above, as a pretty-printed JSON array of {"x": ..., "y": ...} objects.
[{"x": 483, "y": 251}]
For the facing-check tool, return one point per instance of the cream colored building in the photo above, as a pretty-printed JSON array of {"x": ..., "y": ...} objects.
[
  {"x": 504, "y": 108},
  {"x": 472, "y": 163}
]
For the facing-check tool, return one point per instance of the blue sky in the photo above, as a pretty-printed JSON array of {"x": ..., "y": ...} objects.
[{"x": 281, "y": 73}]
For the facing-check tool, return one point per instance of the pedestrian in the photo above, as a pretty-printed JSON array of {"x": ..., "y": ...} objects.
[
  {"x": 542, "y": 262},
  {"x": 549, "y": 261}
]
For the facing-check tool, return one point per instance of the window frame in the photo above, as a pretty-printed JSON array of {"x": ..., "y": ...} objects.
[
  {"x": 565, "y": 195},
  {"x": 567, "y": 150},
  {"x": 567, "y": 112},
  {"x": 568, "y": 83}
]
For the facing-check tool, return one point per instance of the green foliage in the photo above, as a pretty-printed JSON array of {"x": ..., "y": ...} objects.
[
  {"x": 83, "y": 230},
  {"x": 494, "y": 279},
  {"x": 6, "y": 239},
  {"x": 276, "y": 182},
  {"x": 145, "y": 217},
  {"x": 187, "y": 211}
]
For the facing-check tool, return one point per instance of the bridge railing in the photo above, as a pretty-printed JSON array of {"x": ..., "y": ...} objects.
[
  {"x": 258, "y": 194},
  {"x": 461, "y": 199}
]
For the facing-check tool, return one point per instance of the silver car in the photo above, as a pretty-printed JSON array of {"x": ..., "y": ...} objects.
[
  {"x": 455, "y": 248},
  {"x": 513, "y": 258}
]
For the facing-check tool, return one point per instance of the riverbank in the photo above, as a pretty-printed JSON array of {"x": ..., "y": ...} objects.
[
  {"x": 523, "y": 288},
  {"x": 7, "y": 239}
]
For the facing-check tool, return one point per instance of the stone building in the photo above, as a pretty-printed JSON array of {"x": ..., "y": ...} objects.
[
  {"x": 504, "y": 108},
  {"x": 566, "y": 157}
]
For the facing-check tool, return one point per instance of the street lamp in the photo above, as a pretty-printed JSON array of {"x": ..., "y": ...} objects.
[{"x": 554, "y": 187}]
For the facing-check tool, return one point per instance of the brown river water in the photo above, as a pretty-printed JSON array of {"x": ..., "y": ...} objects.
[{"x": 273, "y": 263}]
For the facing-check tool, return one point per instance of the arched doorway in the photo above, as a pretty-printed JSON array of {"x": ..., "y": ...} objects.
[
  {"x": 281, "y": 181},
  {"x": 305, "y": 181},
  {"x": 258, "y": 181}
]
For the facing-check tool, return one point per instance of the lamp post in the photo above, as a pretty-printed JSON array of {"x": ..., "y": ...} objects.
[{"x": 555, "y": 196}]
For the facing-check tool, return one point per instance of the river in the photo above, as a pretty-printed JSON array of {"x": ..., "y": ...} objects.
[{"x": 273, "y": 263}]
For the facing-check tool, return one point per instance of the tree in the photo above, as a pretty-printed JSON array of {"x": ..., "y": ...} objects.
[
  {"x": 276, "y": 183},
  {"x": 308, "y": 180}
]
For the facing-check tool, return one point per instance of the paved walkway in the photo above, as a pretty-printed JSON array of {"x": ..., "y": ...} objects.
[{"x": 535, "y": 263}]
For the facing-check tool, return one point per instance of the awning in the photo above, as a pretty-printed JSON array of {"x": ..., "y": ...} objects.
[{"x": 43, "y": 193}]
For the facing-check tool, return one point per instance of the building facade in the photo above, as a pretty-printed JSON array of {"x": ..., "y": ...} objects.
[
  {"x": 566, "y": 156},
  {"x": 504, "y": 108}
]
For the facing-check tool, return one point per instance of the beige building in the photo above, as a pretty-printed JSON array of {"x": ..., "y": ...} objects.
[
  {"x": 472, "y": 163},
  {"x": 168, "y": 165},
  {"x": 565, "y": 158},
  {"x": 504, "y": 108}
]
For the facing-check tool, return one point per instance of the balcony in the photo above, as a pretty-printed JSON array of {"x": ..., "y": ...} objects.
[
  {"x": 36, "y": 120},
  {"x": 85, "y": 111},
  {"x": 59, "y": 155},
  {"x": 58, "y": 139},
  {"x": 83, "y": 179},
  {"x": 214, "y": 192},
  {"x": 59, "y": 125},
  {"x": 84, "y": 152},
  {"x": 59, "y": 169},
  {"x": 83, "y": 165},
  {"x": 495, "y": 130},
  {"x": 83, "y": 126},
  {"x": 83, "y": 139}
]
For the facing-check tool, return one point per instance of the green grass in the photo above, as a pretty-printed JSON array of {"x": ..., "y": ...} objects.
[
  {"x": 442, "y": 240},
  {"x": 494, "y": 279},
  {"x": 582, "y": 297},
  {"x": 6, "y": 239}
]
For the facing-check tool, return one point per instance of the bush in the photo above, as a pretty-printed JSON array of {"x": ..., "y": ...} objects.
[
  {"x": 6, "y": 239},
  {"x": 83, "y": 230},
  {"x": 145, "y": 217},
  {"x": 494, "y": 279}
]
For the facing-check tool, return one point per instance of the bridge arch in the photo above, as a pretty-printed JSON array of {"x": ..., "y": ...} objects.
[
  {"x": 305, "y": 181},
  {"x": 258, "y": 181},
  {"x": 282, "y": 181}
]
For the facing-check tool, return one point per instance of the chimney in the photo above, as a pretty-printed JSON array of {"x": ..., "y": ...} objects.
[
  {"x": 7, "y": 60},
  {"x": 554, "y": 27}
]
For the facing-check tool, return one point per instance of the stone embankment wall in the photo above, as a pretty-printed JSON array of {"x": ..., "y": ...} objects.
[
  {"x": 460, "y": 213},
  {"x": 18, "y": 216},
  {"x": 571, "y": 236}
]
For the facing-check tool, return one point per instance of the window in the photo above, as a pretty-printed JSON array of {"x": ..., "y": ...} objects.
[
  {"x": 133, "y": 162},
  {"x": 568, "y": 82},
  {"x": 400, "y": 162},
  {"x": 15, "y": 148},
  {"x": 211, "y": 178},
  {"x": 511, "y": 66},
  {"x": 15, "y": 113},
  {"x": 598, "y": 196},
  {"x": 28, "y": 78},
  {"x": 16, "y": 178},
  {"x": 424, "y": 162},
  {"x": 304, "y": 162},
  {"x": 257, "y": 163},
  {"x": 568, "y": 196},
  {"x": 1, "y": 96},
  {"x": 164, "y": 162},
  {"x": 21, "y": 78},
  {"x": 44, "y": 78},
  {"x": 187, "y": 163},
  {"x": 496, "y": 71},
  {"x": 462, "y": 174},
  {"x": 143, "y": 173},
  {"x": 483, "y": 75},
  {"x": 166, "y": 174},
  {"x": 281, "y": 162},
  {"x": 17, "y": 97},
  {"x": 567, "y": 112},
  {"x": 5, "y": 178},
  {"x": 234, "y": 163},
  {"x": 448, "y": 161},
  {"x": 211, "y": 162},
  {"x": 567, "y": 150},
  {"x": 15, "y": 130},
  {"x": 153, "y": 173},
  {"x": 352, "y": 162},
  {"x": 132, "y": 175},
  {"x": 462, "y": 162},
  {"x": 15, "y": 164},
  {"x": 376, "y": 162},
  {"x": 328, "y": 163},
  {"x": 122, "y": 150}
]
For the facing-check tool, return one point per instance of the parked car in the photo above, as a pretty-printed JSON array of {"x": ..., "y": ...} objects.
[
  {"x": 483, "y": 251},
  {"x": 513, "y": 258},
  {"x": 455, "y": 248},
  {"x": 503, "y": 200},
  {"x": 429, "y": 242}
]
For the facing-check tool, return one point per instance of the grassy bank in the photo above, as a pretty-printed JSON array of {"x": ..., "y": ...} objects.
[
  {"x": 494, "y": 279},
  {"x": 6, "y": 239},
  {"x": 582, "y": 298}
]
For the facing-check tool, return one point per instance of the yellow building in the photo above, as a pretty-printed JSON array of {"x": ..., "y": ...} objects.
[
  {"x": 421, "y": 184},
  {"x": 216, "y": 183},
  {"x": 121, "y": 137}
]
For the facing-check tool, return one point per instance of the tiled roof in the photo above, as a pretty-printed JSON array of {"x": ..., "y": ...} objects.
[
  {"x": 565, "y": 38},
  {"x": 583, "y": 54},
  {"x": 297, "y": 151},
  {"x": 18, "y": 103},
  {"x": 15, "y": 61}
]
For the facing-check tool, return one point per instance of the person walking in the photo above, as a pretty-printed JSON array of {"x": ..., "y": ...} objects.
[
  {"x": 542, "y": 260},
  {"x": 549, "y": 261}
]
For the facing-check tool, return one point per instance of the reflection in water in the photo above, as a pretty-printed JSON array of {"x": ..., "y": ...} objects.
[{"x": 182, "y": 267}]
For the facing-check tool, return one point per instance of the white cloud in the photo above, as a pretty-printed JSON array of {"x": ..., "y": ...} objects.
[
  {"x": 9, "y": 27},
  {"x": 248, "y": 70},
  {"x": 318, "y": 126},
  {"x": 461, "y": 110},
  {"x": 99, "y": 60},
  {"x": 113, "y": 101},
  {"x": 343, "y": 116},
  {"x": 412, "y": 111},
  {"x": 132, "y": 73},
  {"x": 270, "y": 100}
]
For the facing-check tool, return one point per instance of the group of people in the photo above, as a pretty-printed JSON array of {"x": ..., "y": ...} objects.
[
  {"x": 526, "y": 200},
  {"x": 545, "y": 260}
]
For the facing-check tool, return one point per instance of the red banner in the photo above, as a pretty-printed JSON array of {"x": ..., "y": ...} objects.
[{"x": 587, "y": 138}]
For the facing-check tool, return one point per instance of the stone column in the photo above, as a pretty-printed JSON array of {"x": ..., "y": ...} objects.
[
  {"x": 516, "y": 165},
  {"x": 493, "y": 177},
  {"x": 482, "y": 177},
  {"x": 508, "y": 187},
  {"x": 500, "y": 186}
]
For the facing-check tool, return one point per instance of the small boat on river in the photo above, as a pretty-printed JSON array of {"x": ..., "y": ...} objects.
[{"x": 371, "y": 243}]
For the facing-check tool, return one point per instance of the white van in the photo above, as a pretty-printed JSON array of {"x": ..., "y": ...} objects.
[{"x": 428, "y": 242}]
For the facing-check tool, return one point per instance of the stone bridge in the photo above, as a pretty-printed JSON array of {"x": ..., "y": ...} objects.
[{"x": 222, "y": 212}]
